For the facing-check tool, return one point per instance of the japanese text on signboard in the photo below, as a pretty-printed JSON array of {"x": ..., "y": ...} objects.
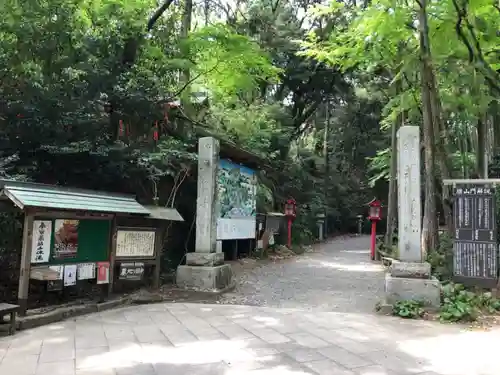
[
  {"x": 130, "y": 243},
  {"x": 42, "y": 232},
  {"x": 475, "y": 245}
]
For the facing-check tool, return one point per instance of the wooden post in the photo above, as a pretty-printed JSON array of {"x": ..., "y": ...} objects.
[
  {"x": 24, "y": 276},
  {"x": 112, "y": 256},
  {"x": 159, "y": 233},
  {"x": 235, "y": 250}
]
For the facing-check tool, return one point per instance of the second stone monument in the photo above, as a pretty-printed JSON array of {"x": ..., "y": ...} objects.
[
  {"x": 409, "y": 278},
  {"x": 205, "y": 269}
]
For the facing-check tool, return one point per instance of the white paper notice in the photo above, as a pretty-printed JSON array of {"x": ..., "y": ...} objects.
[
  {"x": 131, "y": 243},
  {"x": 86, "y": 271},
  {"x": 59, "y": 270},
  {"x": 40, "y": 245},
  {"x": 70, "y": 275}
]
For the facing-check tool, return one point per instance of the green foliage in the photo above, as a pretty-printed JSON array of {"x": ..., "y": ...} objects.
[
  {"x": 253, "y": 125},
  {"x": 380, "y": 166},
  {"x": 459, "y": 304},
  {"x": 65, "y": 64},
  {"x": 441, "y": 259},
  {"x": 408, "y": 309},
  {"x": 379, "y": 45},
  {"x": 218, "y": 50}
]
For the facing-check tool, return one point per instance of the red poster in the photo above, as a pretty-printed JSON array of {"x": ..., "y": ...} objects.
[
  {"x": 66, "y": 239},
  {"x": 102, "y": 272}
]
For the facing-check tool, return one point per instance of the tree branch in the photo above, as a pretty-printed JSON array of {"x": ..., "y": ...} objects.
[
  {"x": 483, "y": 67},
  {"x": 157, "y": 14},
  {"x": 458, "y": 30},
  {"x": 410, "y": 84},
  {"x": 194, "y": 79}
]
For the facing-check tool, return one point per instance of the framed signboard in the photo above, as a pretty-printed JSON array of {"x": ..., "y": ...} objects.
[
  {"x": 236, "y": 201},
  {"x": 135, "y": 243},
  {"x": 475, "y": 249},
  {"x": 131, "y": 271}
]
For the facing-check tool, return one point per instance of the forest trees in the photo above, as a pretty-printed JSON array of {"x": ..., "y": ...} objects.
[
  {"x": 437, "y": 65},
  {"x": 82, "y": 78},
  {"x": 89, "y": 93}
]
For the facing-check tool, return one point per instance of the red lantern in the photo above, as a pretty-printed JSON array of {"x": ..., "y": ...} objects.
[
  {"x": 121, "y": 128},
  {"x": 290, "y": 208},
  {"x": 155, "y": 132},
  {"x": 375, "y": 214},
  {"x": 375, "y": 210},
  {"x": 290, "y": 213}
]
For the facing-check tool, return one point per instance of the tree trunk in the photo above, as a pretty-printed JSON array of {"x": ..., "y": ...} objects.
[
  {"x": 442, "y": 150},
  {"x": 481, "y": 161},
  {"x": 326, "y": 177},
  {"x": 495, "y": 118},
  {"x": 392, "y": 198},
  {"x": 185, "y": 30},
  {"x": 465, "y": 155},
  {"x": 429, "y": 227}
]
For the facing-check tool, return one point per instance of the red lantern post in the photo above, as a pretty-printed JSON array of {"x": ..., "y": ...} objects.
[
  {"x": 374, "y": 216},
  {"x": 290, "y": 213}
]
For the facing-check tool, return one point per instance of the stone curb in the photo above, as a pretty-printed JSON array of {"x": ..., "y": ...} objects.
[
  {"x": 217, "y": 292},
  {"x": 63, "y": 313}
]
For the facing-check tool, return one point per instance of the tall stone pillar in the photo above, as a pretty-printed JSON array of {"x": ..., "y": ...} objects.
[
  {"x": 409, "y": 201},
  {"x": 409, "y": 277},
  {"x": 206, "y": 220},
  {"x": 205, "y": 269}
]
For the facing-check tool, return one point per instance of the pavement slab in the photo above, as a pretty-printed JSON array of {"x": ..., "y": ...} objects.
[
  {"x": 318, "y": 346},
  {"x": 311, "y": 332}
]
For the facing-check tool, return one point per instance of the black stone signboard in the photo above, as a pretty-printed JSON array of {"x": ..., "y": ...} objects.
[
  {"x": 475, "y": 247},
  {"x": 131, "y": 271}
]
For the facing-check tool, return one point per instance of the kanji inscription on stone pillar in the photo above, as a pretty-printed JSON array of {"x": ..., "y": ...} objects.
[{"x": 409, "y": 201}]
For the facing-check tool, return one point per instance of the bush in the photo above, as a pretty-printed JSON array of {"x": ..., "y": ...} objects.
[
  {"x": 441, "y": 259},
  {"x": 408, "y": 309},
  {"x": 459, "y": 304}
]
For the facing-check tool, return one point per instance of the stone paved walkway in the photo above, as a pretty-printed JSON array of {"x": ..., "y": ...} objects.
[
  {"x": 197, "y": 339},
  {"x": 325, "y": 325}
]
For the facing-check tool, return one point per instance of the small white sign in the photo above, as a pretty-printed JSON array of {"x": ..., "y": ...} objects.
[
  {"x": 40, "y": 245},
  {"x": 236, "y": 229},
  {"x": 86, "y": 271},
  {"x": 70, "y": 275},
  {"x": 59, "y": 270},
  {"x": 130, "y": 243}
]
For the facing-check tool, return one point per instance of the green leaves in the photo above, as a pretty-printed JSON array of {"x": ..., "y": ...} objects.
[
  {"x": 459, "y": 304},
  {"x": 378, "y": 44},
  {"x": 228, "y": 63},
  {"x": 409, "y": 309}
]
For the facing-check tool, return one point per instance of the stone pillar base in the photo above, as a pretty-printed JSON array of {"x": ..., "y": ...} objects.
[
  {"x": 405, "y": 288},
  {"x": 411, "y": 270},
  {"x": 204, "y": 259},
  {"x": 215, "y": 279}
]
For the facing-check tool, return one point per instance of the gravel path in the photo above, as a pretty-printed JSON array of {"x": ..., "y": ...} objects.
[{"x": 338, "y": 276}]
